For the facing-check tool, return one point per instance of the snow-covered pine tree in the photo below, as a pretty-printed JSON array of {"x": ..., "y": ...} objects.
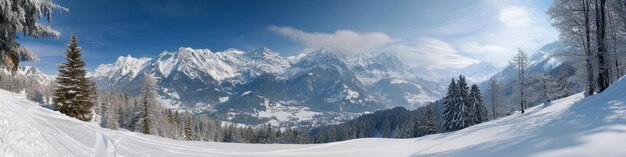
[
  {"x": 22, "y": 16},
  {"x": 73, "y": 95},
  {"x": 427, "y": 123},
  {"x": 466, "y": 111},
  {"x": 450, "y": 108},
  {"x": 109, "y": 105},
  {"x": 148, "y": 115},
  {"x": 476, "y": 101}
]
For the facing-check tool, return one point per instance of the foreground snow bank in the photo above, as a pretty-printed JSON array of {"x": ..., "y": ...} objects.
[{"x": 573, "y": 126}]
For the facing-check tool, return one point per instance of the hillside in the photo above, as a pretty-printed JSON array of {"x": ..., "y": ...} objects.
[{"x": 572, "y": 126}]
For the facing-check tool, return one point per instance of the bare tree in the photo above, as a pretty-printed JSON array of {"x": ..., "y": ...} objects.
[
  {"x": 520, "y": 62},
  {"x": 603, "y": 76},
  {"x": 573, "y": 20},
  {"x": 493, "y": 92}
]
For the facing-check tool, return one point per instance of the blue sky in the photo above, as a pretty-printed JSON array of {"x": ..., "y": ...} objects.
[{"x": 426, "y": 33}]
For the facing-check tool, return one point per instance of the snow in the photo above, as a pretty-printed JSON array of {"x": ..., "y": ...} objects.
[
  {"x": 398, "y": 81},
  {"x": 123, "y": 67},
  {"x": 283, "y": 113},
  {"x": 224, "y": 99},
  {"x": 572, "y": 126}
]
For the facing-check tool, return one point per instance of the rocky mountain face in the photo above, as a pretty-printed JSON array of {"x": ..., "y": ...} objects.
[{"x": 260, "y": 86}]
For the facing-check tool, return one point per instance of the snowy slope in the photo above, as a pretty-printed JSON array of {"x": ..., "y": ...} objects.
[{"x": 572, "y": 126}]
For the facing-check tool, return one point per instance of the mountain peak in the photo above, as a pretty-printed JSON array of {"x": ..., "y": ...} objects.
[{"x": 261, "y": 52}]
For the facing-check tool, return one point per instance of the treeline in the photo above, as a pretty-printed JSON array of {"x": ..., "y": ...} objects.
[
  {"x": 34, "y": 90},
  {"x": 462, "y": 107},
  {"x": 391, "y": 123},
  {"x": 116, "y": 110}
]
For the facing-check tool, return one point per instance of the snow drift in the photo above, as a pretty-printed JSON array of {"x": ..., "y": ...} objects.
[{"x": 572, "y": 126}]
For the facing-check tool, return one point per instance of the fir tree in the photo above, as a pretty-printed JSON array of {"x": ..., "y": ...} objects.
[
  {"x": 450, "y": 107},
  {"x": 466, "y": 111},
  {"x": 426, "y": 123},
  {"x": 146, "y": 117},
  {"x": 476, "y": 101},
  {"x": 23, "y": 15},
  {"x": 73, "y": 95}
]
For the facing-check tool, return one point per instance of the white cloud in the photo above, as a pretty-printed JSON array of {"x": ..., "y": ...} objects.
[
  {"x": 423, "y": 52},
  {"x": 489, "y": 53},
  {"x": 516, "y": 26},
  {"x": 516, "y": 17},
  {"x": 429, "y": 53},
  {"x": 344, "y": 40}
]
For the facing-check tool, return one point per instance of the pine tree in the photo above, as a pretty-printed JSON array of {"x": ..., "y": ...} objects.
[
  {"x": 476, "y": 101},
  {"x": 450, "y": 107},
  {"x": 426, "y": 123},
  {"x": 147, "y": 118},
  {"x": 73, "y": 94},
  {"x": 22, "y": 15},
  {"x": 466, "y": 111}
]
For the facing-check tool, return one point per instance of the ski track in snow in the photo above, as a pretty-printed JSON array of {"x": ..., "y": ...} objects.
[{"x": 572, "y": 126}]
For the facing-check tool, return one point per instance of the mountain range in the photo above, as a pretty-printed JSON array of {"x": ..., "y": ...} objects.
[{"x": 261, "y": 86}]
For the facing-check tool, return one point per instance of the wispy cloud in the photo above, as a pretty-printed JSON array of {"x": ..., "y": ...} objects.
[
  {"x": 516, "y": 26},
  {"x": 429, "y": 53},
  {"x": 422, "y": 52},
  {"x": 344, "y": 40}
]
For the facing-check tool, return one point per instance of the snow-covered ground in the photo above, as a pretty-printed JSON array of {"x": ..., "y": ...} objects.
[{"x": 573, "y": 126}]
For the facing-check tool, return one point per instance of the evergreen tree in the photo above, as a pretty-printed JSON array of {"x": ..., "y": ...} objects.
[
  {"x": 476, "y": 101},
  {"x": 426, "y": 121},
  {"x": 147, "y": 118},
  {"x": 466, "y": 111},
  {"x": 23, "y": 15},
  {"x": 450, "y": 107},
  {"x": 73, "y": 95}
]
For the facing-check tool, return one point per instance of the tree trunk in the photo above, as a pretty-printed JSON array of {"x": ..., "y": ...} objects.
[
  {"x": 603, "y": 77},
  {"x": 587, "y": 46}
]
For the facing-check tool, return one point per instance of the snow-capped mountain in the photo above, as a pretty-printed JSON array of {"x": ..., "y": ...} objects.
[
  {"x": 31, "y": 72},
  {"x": 261, "y": 86},
  {"x": 393, "y": 81}
]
